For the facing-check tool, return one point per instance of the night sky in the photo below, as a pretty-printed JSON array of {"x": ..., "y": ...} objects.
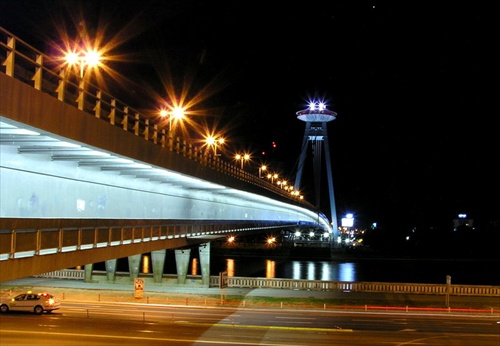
[{"x": 416, "y": 137}]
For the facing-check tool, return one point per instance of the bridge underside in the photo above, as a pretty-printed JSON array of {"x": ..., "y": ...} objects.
[{"x": 76, "y": 189}]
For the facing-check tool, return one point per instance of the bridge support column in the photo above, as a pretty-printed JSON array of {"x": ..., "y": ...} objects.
[
  {"x": 134, "y": 262},
  {"x": 158, "y": 260},
  {"x": 182, "y": 264},
  {"x": 88, "y": 272},
  {"x": 110, "y": 270},
  {"x": 204, "y": 252}
]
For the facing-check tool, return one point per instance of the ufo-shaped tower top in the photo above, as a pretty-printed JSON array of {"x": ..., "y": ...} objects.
[{"x": 316, "y": 112}]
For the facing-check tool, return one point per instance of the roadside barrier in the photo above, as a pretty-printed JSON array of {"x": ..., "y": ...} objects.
[{"x": 312, "y": 285}]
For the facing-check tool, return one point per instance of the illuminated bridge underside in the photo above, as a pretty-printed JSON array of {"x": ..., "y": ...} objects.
[
  {"x": 62, "y": 173},
  {"x": 57, "y": 179}
]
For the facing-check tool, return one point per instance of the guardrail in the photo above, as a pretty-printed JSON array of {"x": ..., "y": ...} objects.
[
  {"x": 318, "y": 285},
  {"x": 30, "y": 66},
  {"x": 27, "y": 243}
]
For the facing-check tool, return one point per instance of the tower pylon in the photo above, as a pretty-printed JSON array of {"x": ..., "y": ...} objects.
[{"x": 316, "y": 118}]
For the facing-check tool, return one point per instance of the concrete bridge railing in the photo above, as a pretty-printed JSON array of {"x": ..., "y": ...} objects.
[{"x": 318, "y": 285}]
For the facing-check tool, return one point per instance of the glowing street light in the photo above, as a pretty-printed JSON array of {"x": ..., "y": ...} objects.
[
  {"x": 282, "y": 183},
  {"x": 242, "y": 158},
  {"x": 84, "y": 60},
  {"x": 271, "y": 241},
  {"x": 213, "y": 142},
  {"x": 177, "y": 114},
  {"x": 262, "y": 168},
  {"x": 88, "y": 59},
  {"x": 272, "y": 177}
]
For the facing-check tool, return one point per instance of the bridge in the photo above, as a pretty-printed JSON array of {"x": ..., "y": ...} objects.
[{"x": 85, "y": 178}]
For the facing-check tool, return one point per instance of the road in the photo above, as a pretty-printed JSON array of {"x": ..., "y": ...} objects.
[{"x": 116, "y": 323}]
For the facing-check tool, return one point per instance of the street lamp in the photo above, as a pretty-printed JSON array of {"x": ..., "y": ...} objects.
[
  {"x": 282, "y": 184},
  {"x": 242, "y": 158},
  {"x": 211, "y": 141},
  {"x": 262, "y": 168},
  {"x": 89, "y": 59},
  {"x": 272, "y": 177},
  {"x": 84, "y": 60},
  {"x": 177, "y": 113}
]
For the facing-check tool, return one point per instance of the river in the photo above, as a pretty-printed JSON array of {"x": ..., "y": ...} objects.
[{"x": 426, "y": 271}]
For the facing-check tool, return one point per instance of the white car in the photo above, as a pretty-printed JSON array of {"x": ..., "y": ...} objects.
[{"x": 37, "y": 303}]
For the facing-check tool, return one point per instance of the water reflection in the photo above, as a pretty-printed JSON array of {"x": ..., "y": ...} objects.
[
  {"x": 325, "y": 272},
  {"x": 194, "y": 266},
  {"x": 270, "y": 269},
  {"x": 145, "y": 264},
  {"x": 347, "y": 271},
  {"x": 230, "y": 267},
  {"x": 311, "y": 271},
  {"x": 296, "y": 270},
  {"x": 407, "y": 271}
]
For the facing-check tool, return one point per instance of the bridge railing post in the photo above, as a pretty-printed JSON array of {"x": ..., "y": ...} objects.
[
  {"x": 10, "y": 59},
  {"x": 37, "y": 78}
]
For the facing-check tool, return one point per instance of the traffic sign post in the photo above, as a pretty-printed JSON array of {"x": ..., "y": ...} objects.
[{"x": 138, "y": 288}]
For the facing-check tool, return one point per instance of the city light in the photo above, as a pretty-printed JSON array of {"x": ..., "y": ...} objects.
[
  {"x": 262, "y": 169},
  {"x": 272, "y": 176},
  {"x": 176, "y": 114},
  {"x": 213, "y": 142},
  {"x": 319, "y": 106},
  {"x": 243, "y": 158},
  {"x": 83, "y": 60},
  {"x": 271, "y": 240},
  {"x": 282, "y": 183}
]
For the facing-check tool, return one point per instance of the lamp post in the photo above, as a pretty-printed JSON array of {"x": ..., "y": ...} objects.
[
  {"x": 176, "y": 113},
  {"x": 84, "y": 60},
  {"x": 213, "y": 142},
  {"x": 272, "y": 177},
  {"x": 242, "y": 158},
  {"x": 262, "y": 169},
  {"x": 89, "y": 59}
]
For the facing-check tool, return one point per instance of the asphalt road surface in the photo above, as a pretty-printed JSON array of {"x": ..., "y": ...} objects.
[{"x": 116, "y": 323}]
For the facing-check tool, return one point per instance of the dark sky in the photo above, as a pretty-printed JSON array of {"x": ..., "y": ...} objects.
[{"x": 416, "y": 137}]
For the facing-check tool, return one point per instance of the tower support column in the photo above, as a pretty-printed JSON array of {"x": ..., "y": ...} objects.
[{"x": 316, "y": 119}]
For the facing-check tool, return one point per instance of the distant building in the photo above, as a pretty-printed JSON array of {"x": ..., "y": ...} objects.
[{"x": 463, "y": 221}]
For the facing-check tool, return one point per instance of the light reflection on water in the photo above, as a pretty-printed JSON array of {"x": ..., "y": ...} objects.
[
  {"x": 465, "y": 272},
  {"x": 270, "y": 269},
  {"x": 230, "y": 267},
  {"x": 347, "y": 271}
]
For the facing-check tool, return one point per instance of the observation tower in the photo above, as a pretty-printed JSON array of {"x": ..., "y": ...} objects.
[{"x": 316, "y": 118}]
